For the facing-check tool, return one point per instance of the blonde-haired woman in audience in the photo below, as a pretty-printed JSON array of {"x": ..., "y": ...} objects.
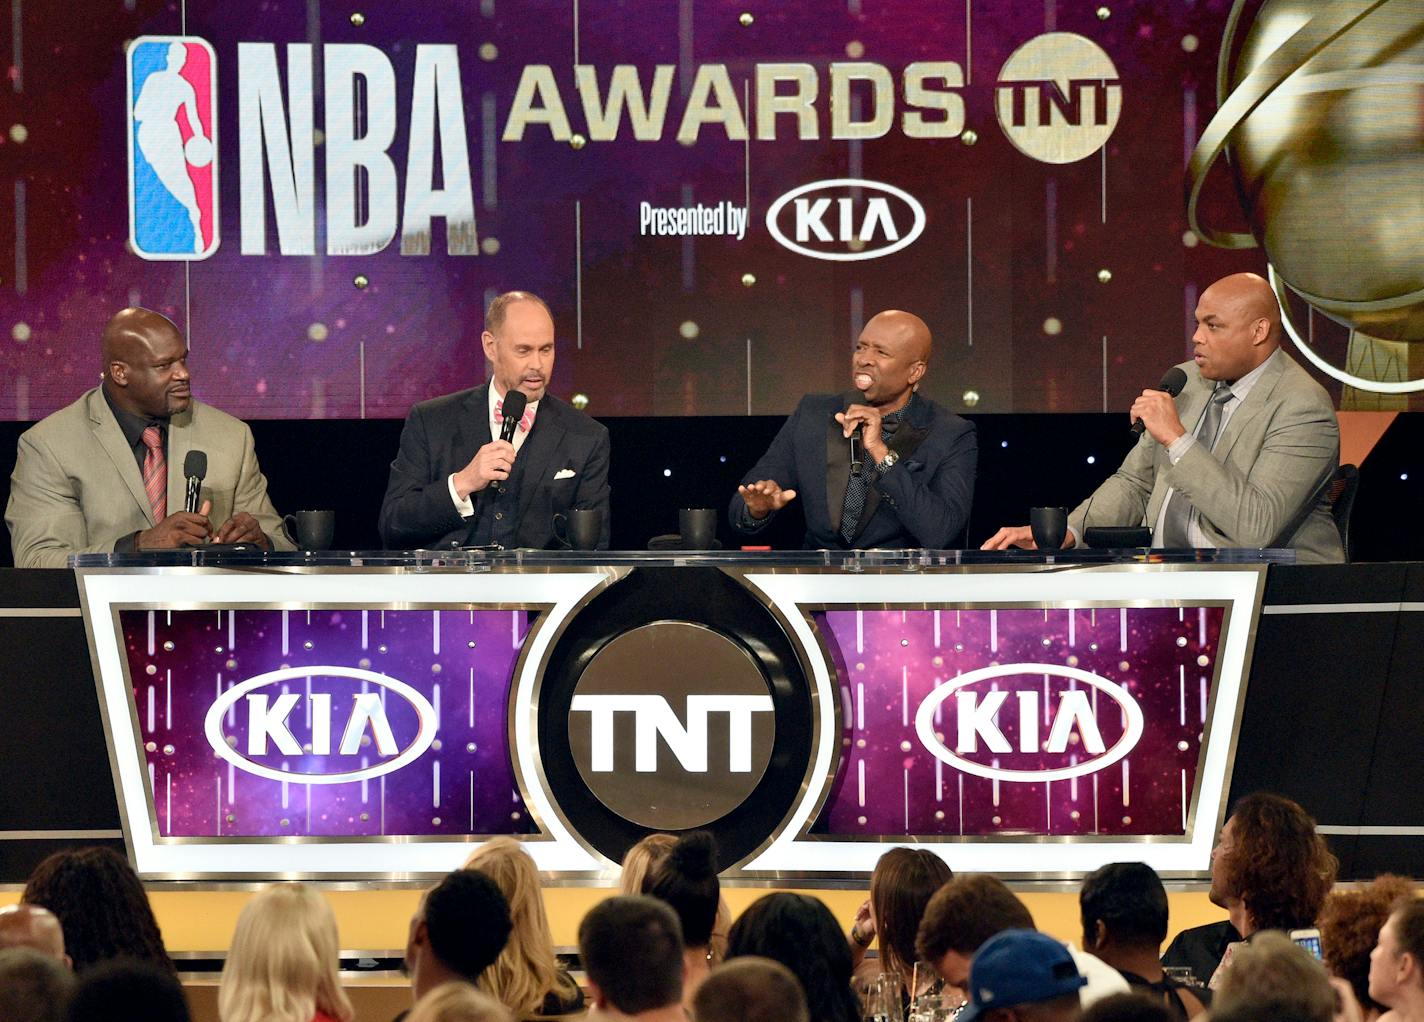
[
  {"x": 458, "y": 1002},
  {"x": 283, "y": 963},
  {"x": 643, "y": 859},
  {"x": 526, "y": 976}
]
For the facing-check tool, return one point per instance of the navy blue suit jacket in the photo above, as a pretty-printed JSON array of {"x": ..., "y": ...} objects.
[{"x": 922, "y": 501}]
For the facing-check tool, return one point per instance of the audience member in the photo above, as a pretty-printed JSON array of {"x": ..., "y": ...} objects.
[
  {"x": 1397, "y": 963},
  {"x": 632, "y": 957},
  {"x": 101, "y": 906},
  {"x": 284, "y": 962},
  {"x": 458, "y": 1002},
  {"x": 34, "y": 927},
  {"x": 1133, "y": 1007},
  {"x": 1124, "y": 912},
  {"x": 642, "y": 858},
  {"x": 1273, "y": 974},
  {"x": 34, "y": 986},
  {"x": 1350, "y": 923},
  {"x": 124, "y": 990},
  {"x": 526, "y": 977},
  {"x": 751, "y": 989},
  {"x": 457, "y": 933},
  {"x": 802, "y": 934},
  {"x": 966, "y": 912},
  {"x": 901, "y": 885},
  {"x": 686, "y": 879},
  {"x": 1023, "y": 976},
  {"x": 1270, "y": 869}
]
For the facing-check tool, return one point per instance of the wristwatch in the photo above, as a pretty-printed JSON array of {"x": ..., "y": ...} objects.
[{"x": 890, "y": 459}]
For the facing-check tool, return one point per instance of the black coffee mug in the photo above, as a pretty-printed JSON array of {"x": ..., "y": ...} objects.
[
  {"x": 1049, "y": 526},
  {"x": 580, "y": 529},
  {"x": 311, "y": 530},
  {"x": 698, "y": 527}
]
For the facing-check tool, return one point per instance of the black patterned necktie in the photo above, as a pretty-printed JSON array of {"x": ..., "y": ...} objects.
[
  {"x": 1179, "y": 507},
  {"x": 854, "y": 505}
]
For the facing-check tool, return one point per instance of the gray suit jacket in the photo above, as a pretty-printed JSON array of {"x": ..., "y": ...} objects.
[
  {"x": 1263, "y": 486},
  {"x": 77, "y": 488}
]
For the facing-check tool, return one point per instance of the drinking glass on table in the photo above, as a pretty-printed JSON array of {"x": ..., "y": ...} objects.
[
  {"x": 931, "y": 999},
  {"x": 881, "y": 1000}
]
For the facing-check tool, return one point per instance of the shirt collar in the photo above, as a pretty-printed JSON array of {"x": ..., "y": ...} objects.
[
  {"x": 132, "y": 425},
  {"x": 893, "y": 419},
  {"x": 497, "y": 397},
  {"x": 1243, "y": 386}
]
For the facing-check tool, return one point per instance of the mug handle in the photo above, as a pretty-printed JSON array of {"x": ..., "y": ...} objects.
[
  {"x": 561, "y": 534},
  {"x": 289, "y": 526}
]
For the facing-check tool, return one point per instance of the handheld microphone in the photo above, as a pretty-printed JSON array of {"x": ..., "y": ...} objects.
[
  {"x": 513, "y": 410},
  {"x": 855, "y": 448},
  {"x": 195, "y": 467},
  {"x": 1173, "y": 380}
]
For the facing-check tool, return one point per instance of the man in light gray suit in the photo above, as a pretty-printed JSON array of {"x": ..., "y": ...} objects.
[
  {"x": 106, "y": 472},
  {"x": 1253, "y": 467}
]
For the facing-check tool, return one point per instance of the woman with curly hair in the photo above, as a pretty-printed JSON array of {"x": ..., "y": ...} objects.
[
  {"x": 799, "y": 932},
  {"x": 1349, "y": 925},
  {"x": 284, "y": 960},
  {"x": 901, "y": 886},
  {"x": 101, "y": 906},
  {"x": 526, "y": 976}
]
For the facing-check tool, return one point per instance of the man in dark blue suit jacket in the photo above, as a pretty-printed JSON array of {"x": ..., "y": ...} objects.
[
  {"x": 917, "y": 478},
  {"x": 455, "y": 483}
]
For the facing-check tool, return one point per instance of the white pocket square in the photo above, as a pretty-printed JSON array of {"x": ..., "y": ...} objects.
[{"x": 563, "y": 473}]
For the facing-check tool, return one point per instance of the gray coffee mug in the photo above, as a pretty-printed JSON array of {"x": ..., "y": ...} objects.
[
  {"x": 311, "y": 530},
  {"x": 697, "y": 527}
]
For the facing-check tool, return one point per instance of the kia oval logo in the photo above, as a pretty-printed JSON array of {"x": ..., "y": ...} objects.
[
  {"x": 862, "y": 226},
  {"x": 364, "y": 723},
  {"x": 977, "y": 720}
]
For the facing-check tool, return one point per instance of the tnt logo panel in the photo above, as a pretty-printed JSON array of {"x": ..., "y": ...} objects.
[{"x": 173, "y": 168}]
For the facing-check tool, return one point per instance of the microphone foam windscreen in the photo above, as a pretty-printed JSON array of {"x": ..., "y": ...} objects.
[
  {"x": 514, "y": 403},
  {"x": 195, "y": 464},
  {"x": 1173, "y": 380}
]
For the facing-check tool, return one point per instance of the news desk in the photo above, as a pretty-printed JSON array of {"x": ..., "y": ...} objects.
[{"x": 372, "y": 717}]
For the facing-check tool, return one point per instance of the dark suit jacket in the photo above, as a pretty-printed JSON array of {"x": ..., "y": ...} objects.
[
  {"x": 443, "y": 434},
  {"x": 923, "y": 501}
]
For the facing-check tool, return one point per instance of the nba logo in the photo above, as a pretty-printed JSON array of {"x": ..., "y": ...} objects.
[{"x": 172, "y": 128}]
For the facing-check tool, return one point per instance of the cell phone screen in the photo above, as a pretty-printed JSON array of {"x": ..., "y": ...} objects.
[{"x": 1311, "y": 943}]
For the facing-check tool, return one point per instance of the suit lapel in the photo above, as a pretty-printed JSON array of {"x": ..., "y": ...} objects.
[
  {"x": 837, "y": 472},
  {"x": 111, "y": 438},
  {"x": 472, "y": 428},
  {"x": 1251, "y": 407},
  {"x": 544, "y": 441}
]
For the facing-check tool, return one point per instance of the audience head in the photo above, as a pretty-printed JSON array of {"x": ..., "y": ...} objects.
[
  {"x": 34, "y": 927},
  {"x": 1397, "y": 962},
  {"x": 751, "y": 989},
  {"x": 686, "y": 878},
  {"x": 1272, "y": 971},
  {"x": 803, "y": 935},
  {"x": 1272, "y": 862},
  {"x": 124, "y": 989},
  {"x": 961, "y": 916},
  {"x": 459, "y": 930},
  {"x": 285, "y": 959},
  {"x": 640, "y": 861},
  {"x": 1350, "y": 923},
  {"x": 632, "y": 954},
  {"x": 458, "y": 1002},
  {"x": 101, "y": 907},
  {"x": 1123, "y": 904},
  {"x": 1132, "y": 1007},
  {"x": 34, "y": 986},
  {"x": 527, "y": 969},
  {"x": 901, "y": 886},
  {"x": 1023, "y": 975}
]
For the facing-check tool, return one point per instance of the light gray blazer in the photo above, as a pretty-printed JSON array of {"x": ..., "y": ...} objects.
[
  {"x": 1264, "y": 485},
  {"x": 77, "y": 487}
]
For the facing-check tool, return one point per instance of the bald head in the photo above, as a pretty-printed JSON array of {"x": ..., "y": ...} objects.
[
  {"x": 910, "y": 328},
  {"x": 134, "y": 331},
  {"x": 145, "y": 364},
  {"x": 1238, "y": 326},
  {"x": 31, "y": 926},
  {"x": 891, "y": 358}
]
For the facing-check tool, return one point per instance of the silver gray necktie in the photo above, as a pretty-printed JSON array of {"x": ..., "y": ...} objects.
[{"x": 1179, "y": 507}]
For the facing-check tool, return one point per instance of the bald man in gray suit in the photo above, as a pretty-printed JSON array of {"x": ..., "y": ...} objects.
[
  {"x": 1260, "y": 478},
  {"x": 106, "y": 473}
]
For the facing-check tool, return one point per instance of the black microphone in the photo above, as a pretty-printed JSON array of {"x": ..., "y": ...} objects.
[
  {"x": 195, "y": 467},
  {"x": 855, "y": 460},
  {"x": 513, "y": 411},
  {"x": 1173, "y": 380}
]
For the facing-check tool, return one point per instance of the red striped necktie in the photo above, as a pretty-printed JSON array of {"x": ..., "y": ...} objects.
[{"x": 155, "y": 473}]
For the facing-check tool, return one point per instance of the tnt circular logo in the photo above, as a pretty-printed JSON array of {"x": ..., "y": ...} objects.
[
  {"x": 1058, "y": 98},
  {"x": 672, "y": 725}
]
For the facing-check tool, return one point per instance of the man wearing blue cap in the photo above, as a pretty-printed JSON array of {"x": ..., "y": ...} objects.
[{"x": 1023, "y": 976}]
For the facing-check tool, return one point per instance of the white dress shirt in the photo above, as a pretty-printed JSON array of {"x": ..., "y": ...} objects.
[{"x": 465, "y": 505}]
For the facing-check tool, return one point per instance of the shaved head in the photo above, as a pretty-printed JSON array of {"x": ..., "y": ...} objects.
[
  {"x": 32, "y": 926},
  {"x": 914, "y": 330},
  {"x": 146, "y": 364},
  {"x": 891, "y": 358},
  {"x": 1238, "y": 327},
  {"x": 1251, "y": 295},
  {"x": 132, "y": 332}
]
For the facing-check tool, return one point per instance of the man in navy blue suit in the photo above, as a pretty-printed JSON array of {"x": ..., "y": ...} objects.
[{"x": 917, "y": 474}]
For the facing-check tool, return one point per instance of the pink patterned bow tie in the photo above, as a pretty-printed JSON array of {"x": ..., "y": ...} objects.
[{"x": 525, "y": 424}]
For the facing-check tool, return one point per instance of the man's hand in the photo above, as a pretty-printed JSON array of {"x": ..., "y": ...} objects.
[
  {"x": 871, "y": 438},
  {"x": 765, "y": 496},
  {"x": 1158, "y": 413},
  {"x": 1020, "y": 536},
  {"x": 243, "y": 528},
  {"x": 182, "y": 528},
  {"x": 491, "y": 462}
]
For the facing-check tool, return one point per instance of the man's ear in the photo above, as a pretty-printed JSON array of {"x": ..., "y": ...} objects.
[
  {"x": 118, "y": 372},
  {"x": 487, "y": 343}
]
